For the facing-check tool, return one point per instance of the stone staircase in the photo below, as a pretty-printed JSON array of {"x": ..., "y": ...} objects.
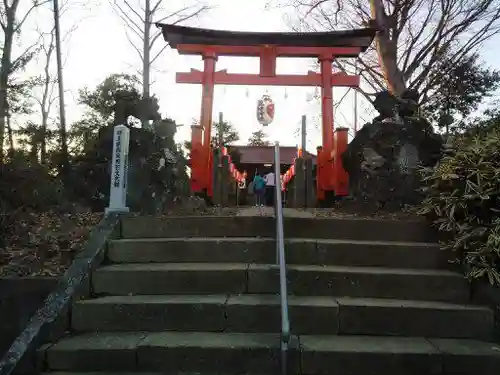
[{"x": 198, "y": 295}]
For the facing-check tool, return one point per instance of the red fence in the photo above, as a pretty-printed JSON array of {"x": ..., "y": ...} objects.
[{"x": 236, "y": 174}]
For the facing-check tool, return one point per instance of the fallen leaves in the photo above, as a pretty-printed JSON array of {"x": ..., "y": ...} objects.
[{"x": 44, "y": 244}]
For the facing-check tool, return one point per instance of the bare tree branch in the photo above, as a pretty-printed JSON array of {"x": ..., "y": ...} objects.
[
  {"x": 127, "y": 20},
  {"x": 181, "y": 14},
  {"x": 154, "y": 39},
  {"x": 415, "y": 34},
  {"x": 156, "y": 6},
  {"x": 35, "y": 4},
  {"x": 158, "y": 54},
  {"x": 132, "y": 9},
  {"x": 20, "y": 61},
  {"x": 339, "y": 65},
  {"x": 133, "y": 45},
  {"x": 152, "y": 11},
  {"x": 12, "y": 23}
]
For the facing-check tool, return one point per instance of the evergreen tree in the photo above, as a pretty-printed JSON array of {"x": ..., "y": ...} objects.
[{"x": 258, "y": 138}]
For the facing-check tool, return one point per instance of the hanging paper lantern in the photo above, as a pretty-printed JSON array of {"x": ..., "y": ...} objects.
[{"x": 265, "y": 110}]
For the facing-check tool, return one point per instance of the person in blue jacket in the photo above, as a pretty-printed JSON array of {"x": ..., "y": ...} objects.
[{"x": 259, "y": 189}]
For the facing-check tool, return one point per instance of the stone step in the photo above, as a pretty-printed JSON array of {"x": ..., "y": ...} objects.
[
  {"x": 385, "y": 317},
  {"x": 239, "y": 226},
  {"x": 242, "y": 353},
  {"x": 236, "y": 278},
  {"x": 261, "y": 313},
  {"x": 167, "y": 351},
  {"x": 263, "y": 250},
  {"x": 348, "y": 355}
]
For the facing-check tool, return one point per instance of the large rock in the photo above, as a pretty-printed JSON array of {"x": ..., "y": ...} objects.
[
  {"x": 383, "y": 157},
  {"x": 152, "y": 170}
]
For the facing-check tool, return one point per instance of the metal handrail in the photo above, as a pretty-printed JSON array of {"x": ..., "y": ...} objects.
[{"x": 281, "y": 262}]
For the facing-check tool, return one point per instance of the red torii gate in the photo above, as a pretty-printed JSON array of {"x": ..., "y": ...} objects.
[{"x": 326, "y": 46}]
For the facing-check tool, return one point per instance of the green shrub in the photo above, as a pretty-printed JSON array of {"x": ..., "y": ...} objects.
[{"x": 462, "y": 199}]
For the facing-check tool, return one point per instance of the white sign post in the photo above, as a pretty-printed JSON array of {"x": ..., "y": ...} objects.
[{"x": 119, "y": 170}]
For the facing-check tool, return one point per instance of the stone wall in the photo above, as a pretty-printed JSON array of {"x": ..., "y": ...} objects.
[{"x": 19, "y": 299}]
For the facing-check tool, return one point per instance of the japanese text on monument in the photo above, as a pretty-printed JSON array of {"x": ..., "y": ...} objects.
[{"x": 116, "y": 182}]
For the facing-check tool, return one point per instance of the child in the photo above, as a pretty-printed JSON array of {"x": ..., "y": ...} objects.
[{"x": 259, "y": 188}]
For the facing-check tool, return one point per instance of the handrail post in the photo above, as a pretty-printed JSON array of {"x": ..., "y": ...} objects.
[{"x": 280, "y": 255}]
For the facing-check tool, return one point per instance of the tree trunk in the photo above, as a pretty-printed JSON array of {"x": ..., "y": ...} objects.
[
  {"x": 387, "y": 50},
  {"x": 46, "y": 100},
  {"x": 11, "y": 137},
  {"x": 43, "y": 138},
  {"x": 3, "y": 105},
  {"x": 10, "y": 15},
  {"x": 146, "y": 60},
  {"x": 34, "y": 151},
  {"x": 62, "y": 110},
  {"x": 4, "y": 80}
]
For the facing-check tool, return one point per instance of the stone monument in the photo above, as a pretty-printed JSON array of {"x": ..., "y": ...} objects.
[
  {"x": 383, "y": 158},
  {"x": 119, "y": 166}
]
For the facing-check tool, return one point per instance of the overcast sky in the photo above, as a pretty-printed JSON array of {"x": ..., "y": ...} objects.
[{"x": 99, "y": 47}]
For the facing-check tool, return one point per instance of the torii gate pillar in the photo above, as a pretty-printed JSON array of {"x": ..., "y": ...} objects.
[
  {"x": 326, "y": 171},
  {"x": 204, "y": 171}
]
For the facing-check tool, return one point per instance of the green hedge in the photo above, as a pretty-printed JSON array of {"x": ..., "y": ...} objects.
[{"x": 462, "y": 199}]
